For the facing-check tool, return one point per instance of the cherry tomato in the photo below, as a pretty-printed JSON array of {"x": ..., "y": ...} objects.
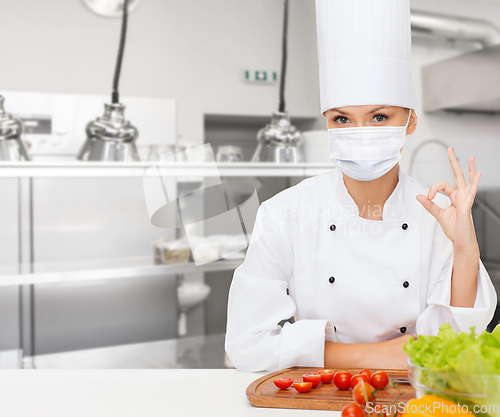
[
  {"x": 283, "y": 383},
  {"x": 363, "y": 393},
  {"x": 324, "y": 371},
  {"x": 352, "y": 410},
  {"x": 342, "y": 380},
  {"x": 314, "y": 378},
  {"x": 326, "y": 375},
  {"x": 303, "y": 386},
  {"x": 356, "y": 379},
  {"x": 366, "y": 372},
  {"x": 379, "y": 380}
]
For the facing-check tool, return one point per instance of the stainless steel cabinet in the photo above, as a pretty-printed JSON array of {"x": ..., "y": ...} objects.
[
  {"x": 79, "y": 238},
  {"x": 9, "y": 262}
]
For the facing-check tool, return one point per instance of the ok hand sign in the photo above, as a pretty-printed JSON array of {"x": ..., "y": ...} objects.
[{"x": 456, "y": 219}]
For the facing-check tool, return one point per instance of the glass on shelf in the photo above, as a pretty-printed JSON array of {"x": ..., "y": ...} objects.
[
  {"x": 154, "y": 153},
  {"x": 166, "y": 151},
  {"x": 143, "y": 152},
  {"x": 200, "y": 153},
  {"x": 180, "y": 154},
  {"x": 229, "y": 153},
  {"x": 161, "y": 152}
]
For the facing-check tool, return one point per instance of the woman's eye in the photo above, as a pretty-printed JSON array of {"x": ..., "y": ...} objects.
[
  {"x": 341, "y": 119},
  {"x": 380, "y": 118}
]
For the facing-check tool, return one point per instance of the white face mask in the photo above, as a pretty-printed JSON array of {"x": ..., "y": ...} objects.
[{"x": 366, "y": 153}]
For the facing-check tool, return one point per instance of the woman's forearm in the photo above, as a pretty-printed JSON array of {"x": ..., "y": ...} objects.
[
  {"x": 464, "y": 277},
  {"x": 388, "y": 354},
  {"x": 346, "y": 355}
]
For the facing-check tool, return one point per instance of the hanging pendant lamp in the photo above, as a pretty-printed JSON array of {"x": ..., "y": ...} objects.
[
  {"x": 279, "y": 141},
  {"x": 111, "y": 138}
]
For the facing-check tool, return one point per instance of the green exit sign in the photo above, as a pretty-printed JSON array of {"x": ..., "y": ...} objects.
[{"x": 261, "y": 77}]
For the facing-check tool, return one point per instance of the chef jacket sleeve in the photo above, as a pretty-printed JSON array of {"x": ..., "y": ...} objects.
[
  {"x": 438, "y": 309},
  {"x": 261, "y": 332}
]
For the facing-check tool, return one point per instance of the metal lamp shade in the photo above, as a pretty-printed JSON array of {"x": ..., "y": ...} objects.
[
  {"x": 278, "y": 141},
  {"x": 110, "y": 8},
  {"x": 110, "y": 138},
  {"x": 12, "y": 147}
]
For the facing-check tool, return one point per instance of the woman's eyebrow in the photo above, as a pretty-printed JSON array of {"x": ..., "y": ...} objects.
[
  {"x": 375, "y": 110},
  {"x": 341, "y": 112},
  {"x": 369, "y": 112}
]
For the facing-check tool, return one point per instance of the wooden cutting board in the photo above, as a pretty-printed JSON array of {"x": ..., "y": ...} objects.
[{"x": 263, "y": 393}]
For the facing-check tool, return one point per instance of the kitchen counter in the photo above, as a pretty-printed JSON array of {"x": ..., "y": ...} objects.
[{"x": 137, "y": 393}]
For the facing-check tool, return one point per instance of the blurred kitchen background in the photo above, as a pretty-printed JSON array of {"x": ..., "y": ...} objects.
[{"x": 87, "y": 281}]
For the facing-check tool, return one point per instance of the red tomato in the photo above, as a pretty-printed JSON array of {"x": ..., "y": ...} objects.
[
  {"x": 314, "y": 378},
  {"x": 324, "y": 371},
  {"x": 303, "y": 386},
  {"x": 326, "y": 375},
  {"x": 379, "y": 380},
  {"x": 283, "y": 383},
  {"x": 352, "y": 410},
  {"x": 342, "y": 380},
  {"x": 366, "y": 372},
  {"x": 356, "y": 379},
  {"x": 363, "y": 393}
]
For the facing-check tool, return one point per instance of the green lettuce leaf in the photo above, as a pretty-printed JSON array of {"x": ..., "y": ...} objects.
[{"x": 459, "y": 363}]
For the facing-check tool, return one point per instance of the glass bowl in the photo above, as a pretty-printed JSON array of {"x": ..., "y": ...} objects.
[{"x": 480, "y": 393}]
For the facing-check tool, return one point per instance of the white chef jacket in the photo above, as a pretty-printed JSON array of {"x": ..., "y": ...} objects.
[{"x": 316, "y": 271}]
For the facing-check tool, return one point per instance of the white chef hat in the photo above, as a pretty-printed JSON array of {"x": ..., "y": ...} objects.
[{"x": 364, "y": 49}]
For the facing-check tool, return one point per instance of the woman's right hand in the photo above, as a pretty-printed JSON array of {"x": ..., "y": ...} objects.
[{"x": 389, "y": 354}]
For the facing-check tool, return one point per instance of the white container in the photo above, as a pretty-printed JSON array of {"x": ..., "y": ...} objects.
[{"x": 172, "y": 251}]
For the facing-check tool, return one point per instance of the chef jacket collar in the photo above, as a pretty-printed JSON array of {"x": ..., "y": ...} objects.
[{"x": 392, "y": 207}]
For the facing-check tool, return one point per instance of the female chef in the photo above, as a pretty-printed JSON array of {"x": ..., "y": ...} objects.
[{"x": 343, "y": 268}]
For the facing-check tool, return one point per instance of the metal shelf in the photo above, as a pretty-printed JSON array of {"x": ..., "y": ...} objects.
[
  {"x": 202, "y": 352},
  {"x": 138, "y": 169},
  {"x": 109, "y": 269}
]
